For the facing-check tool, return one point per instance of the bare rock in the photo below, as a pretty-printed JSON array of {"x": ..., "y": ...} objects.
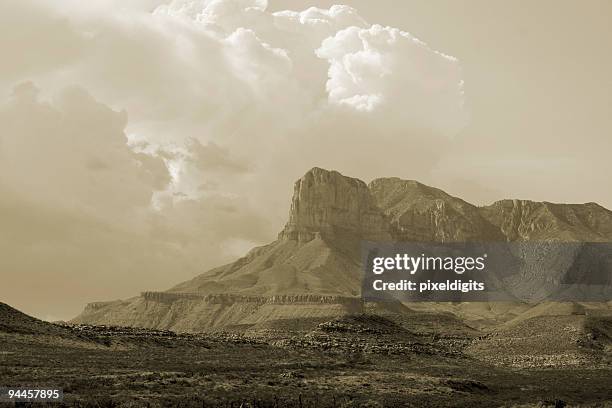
[
  {"x": 328, "y": 203},
  {"x": 417, "y": 212}
]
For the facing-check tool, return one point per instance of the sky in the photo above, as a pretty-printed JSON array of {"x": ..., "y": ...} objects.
[{"x": 144, "y": 142}]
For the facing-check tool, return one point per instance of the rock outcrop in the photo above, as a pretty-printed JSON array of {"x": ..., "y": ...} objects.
[
  {"x": 228, "y": 298},
  {"x": 330, "y": 204}
]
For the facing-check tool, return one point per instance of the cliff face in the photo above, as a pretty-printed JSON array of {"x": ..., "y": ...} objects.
[
  {"x": 328, "y": 203},
  {"x": 159, "y": 310},
  {"x": 315, "y": 265},
  {"x": 522, "y": 220}
]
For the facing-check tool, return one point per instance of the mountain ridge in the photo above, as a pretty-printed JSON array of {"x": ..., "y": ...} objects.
[{"x": 318, "y": 252}]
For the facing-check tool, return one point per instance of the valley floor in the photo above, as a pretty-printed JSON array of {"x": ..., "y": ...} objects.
[{"x": 109, "y": 367}]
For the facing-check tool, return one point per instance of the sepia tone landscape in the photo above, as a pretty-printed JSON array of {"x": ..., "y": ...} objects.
[
  {"x": 313, "y": 269},
  {"x": 153, "y": 252},
  {"x": 285, "y": 326}
]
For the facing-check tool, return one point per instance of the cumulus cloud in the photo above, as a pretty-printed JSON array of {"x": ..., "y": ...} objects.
[
  {"x": 208, "y": 64},
  {"x": 318, "y": 23},
  {"x": 386, "y": 68}
]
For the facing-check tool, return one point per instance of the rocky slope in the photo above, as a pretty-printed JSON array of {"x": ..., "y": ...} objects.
[
  {"x": 522, "y": 220},
  {"x": 318, "y": 251},
  {"x": 417, "y": 212}
]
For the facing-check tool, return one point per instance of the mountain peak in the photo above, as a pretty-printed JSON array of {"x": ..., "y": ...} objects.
[
  {"x": 320, "y": 170},
  {"x": 328, "y": 203},
  {"x": 392, "y": 187}
]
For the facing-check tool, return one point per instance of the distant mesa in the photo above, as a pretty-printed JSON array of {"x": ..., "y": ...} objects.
[{"x": 315, "y": 264}]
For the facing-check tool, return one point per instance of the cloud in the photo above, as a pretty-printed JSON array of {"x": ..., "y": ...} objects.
[
  {"x": 72, "y": 152},
  {"x": 32, "y": 42},
  {"x": 212, "y": 157},
  {"x": 206, "y": 64},
  {"x": 76, "y": 213},
  {"x": 386, "y": 68},
  {"x": 318, "y": 23}
]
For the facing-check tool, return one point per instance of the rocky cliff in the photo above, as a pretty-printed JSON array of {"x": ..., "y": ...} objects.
[
  {"x": 314, "y": 266},
  {"x": 330, "y": 204},
  {"x": 522, "y": 220}
]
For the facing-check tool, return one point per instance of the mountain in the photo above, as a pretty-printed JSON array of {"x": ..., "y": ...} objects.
[{"x": 313, "y": 270}]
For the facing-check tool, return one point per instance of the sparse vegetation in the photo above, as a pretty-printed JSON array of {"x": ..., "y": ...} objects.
[{"x": 127, "y": 367}]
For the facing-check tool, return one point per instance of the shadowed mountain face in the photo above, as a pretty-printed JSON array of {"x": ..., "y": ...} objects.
[
  {"x": 15, "y": 322},
  {"x": 316, "y": 260}
]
